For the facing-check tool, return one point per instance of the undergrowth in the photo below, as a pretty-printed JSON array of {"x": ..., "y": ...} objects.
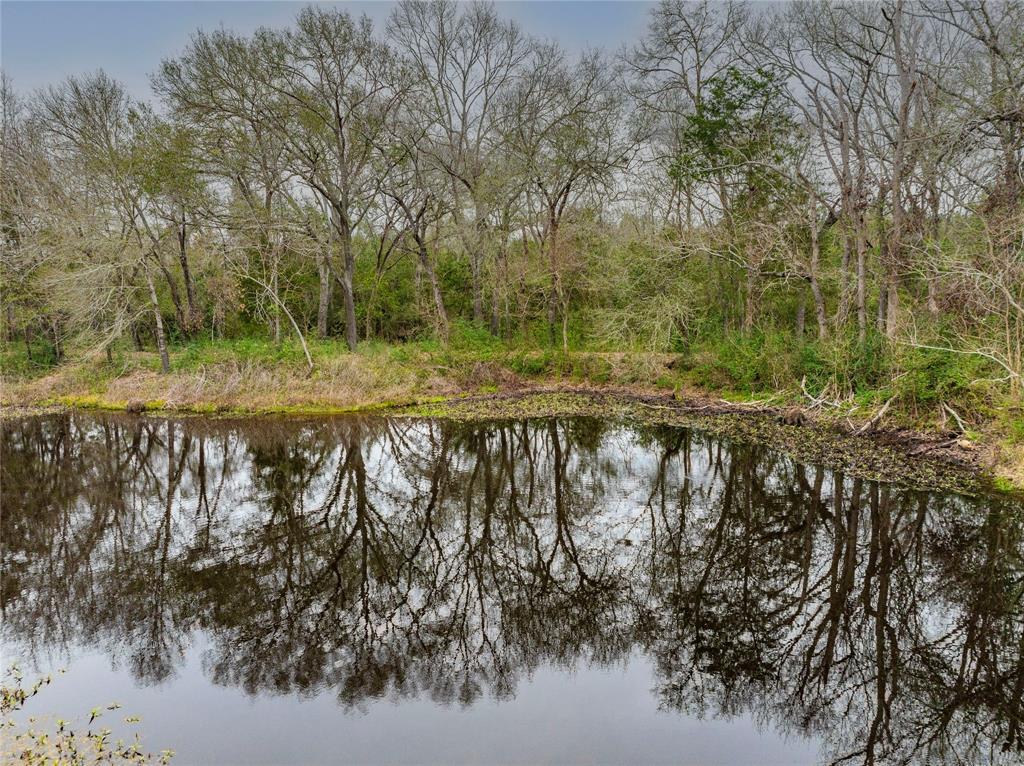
[{"x": 922, "y": 384}]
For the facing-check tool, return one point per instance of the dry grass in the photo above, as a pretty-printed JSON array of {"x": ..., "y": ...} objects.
[
  {"x": 347, "y": 382},
  {"x": 384, "y": 376}
]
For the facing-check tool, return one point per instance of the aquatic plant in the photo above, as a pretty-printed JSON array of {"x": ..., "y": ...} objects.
[{"x": 31, "y": 739}]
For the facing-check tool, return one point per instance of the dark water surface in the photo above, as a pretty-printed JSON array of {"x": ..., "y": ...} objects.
[{"x": 361, "y": 590}]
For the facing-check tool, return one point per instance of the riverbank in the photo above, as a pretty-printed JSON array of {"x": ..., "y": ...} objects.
[{"x": 873, "y": 440}]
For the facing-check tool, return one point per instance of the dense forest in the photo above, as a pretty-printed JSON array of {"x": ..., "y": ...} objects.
[{"x": 819, "y": 191}]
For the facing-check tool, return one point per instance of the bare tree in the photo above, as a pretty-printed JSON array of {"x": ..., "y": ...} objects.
[
  {"x": 566, "y": 128},
  {"x": 462, "y": 60}
]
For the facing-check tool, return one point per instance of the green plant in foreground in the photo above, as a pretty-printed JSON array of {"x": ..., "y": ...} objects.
[{"x": 59, "y": 742}]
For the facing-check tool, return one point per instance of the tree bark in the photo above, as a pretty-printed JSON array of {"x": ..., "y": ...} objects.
[
  {"x": 323, "y": 312},
  {"x": 435, "y": 286},
  {"x": 554, "y": 297},
  {"x": 750, "y": 299},
  {"x": 58, "y": 348},
  {"x": 275, "y": 316},
  {"x": 820, "y": 313},
  {"x": 194, "y": 320},
  {"x": 862, "y": 280},
  {"x": 172, "y": 289},
  {"x": 347, "y": 280},
  {"x": 161, "y": 339},
  {"x": 476, "y": 267}
]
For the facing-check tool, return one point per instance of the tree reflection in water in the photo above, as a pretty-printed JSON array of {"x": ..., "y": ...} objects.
[{"x": 371, "y": 557}]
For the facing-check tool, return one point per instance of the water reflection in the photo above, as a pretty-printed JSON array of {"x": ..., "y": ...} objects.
[{"x": 370, "y": 557}]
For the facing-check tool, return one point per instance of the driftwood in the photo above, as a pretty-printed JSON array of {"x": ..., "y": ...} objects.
[
  {"x": 819, "y": 400},
  {"x": 923, "y": 448},
  {"x": 870, "y": 425},
  {"x": 956, "y": 417}
]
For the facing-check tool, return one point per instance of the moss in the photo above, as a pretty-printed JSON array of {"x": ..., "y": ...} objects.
[
  {"x": 86, "y": 402},
  {"x": 1006, "y": 484}
]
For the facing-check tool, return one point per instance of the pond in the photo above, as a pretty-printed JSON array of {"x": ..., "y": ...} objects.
[{"x": 399, "y": 591}]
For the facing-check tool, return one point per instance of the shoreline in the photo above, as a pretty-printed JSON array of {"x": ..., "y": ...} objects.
[{"x": 914, "y": 458}]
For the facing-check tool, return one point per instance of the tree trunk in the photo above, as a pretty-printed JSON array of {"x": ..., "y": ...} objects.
[
  {"x": 934, "y": 249},
  {"x": 58, "y": 348},
  {"x": 476, "y": 267},
  {"x": 862, "y": 280},
  {"x": 554, "y": 297},
  {"x": 933, "y": 297},
  {"x": 820, "y": 314},
  {"x": 347, "y": 280},
  {"x": 750, "y": 300},
  {"x": 161, "y": 339},
  {"x": 435, "y": 287},
  {"x": 495, "y": 314},
  {"x": 565, "y": 329},
  {"x": 194, "y": 319},
  {"x": 906, "y": 62},
  {"x": 172, "y": 289},
  {"x": 883, "y": 307},
  {"x": 892, "y": 306},
  {"x": 476, "y": 279},
  {"x": 323, "y": 313},
  {"x": 275, "y": 316},
  {"x": 819, "y": 299},
  {"x": 843, "y": 307}
]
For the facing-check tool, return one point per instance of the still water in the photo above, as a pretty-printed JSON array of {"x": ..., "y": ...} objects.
[{"x": 396, "y": 591}]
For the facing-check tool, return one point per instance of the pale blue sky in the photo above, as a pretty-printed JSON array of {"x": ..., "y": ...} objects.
[{"x": 43, "y": 42}]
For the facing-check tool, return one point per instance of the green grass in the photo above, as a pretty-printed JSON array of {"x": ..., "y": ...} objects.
[
  {"x": 768, "y": 364},
  {"x": 15, "y": 363}
]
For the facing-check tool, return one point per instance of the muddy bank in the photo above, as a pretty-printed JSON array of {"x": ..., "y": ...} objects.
[{"x": 924, "y": 461}]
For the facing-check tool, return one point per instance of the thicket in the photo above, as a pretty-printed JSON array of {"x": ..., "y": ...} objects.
[{"x": 823, "y": 198}]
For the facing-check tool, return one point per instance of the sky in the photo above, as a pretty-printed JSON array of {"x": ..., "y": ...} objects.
[{"x": 41, "y": 43}]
